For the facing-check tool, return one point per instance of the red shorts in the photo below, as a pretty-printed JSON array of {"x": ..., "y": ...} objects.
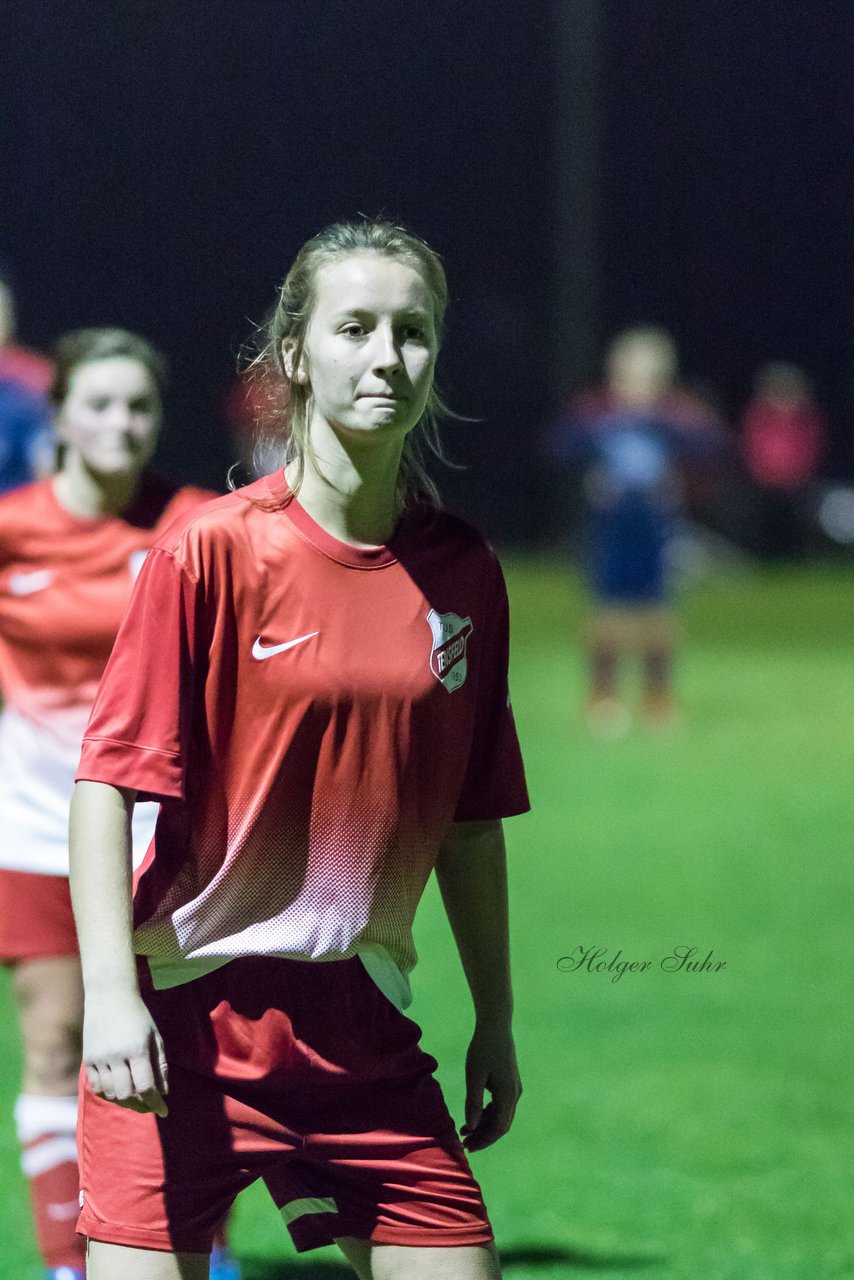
[
  {"x": 35, "y": 917},
  {"x": 302, "y": 1074}
]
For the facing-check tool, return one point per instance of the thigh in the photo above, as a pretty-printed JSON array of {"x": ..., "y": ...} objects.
[
  {"x": 395, "y": 1262},
  {"x": 49, "y": 985},
  {"x": 358, "y": 1254},
  {"x": 107, "y": 1261},
  {"x": 48, "y": 995},
  {"x": 657, "y": 627}
]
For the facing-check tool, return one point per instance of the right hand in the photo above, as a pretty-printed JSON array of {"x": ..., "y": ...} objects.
[{"x": 123, "y": 1053}]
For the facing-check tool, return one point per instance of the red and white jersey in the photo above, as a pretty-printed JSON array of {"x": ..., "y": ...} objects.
[
  {"x": 65, "y": 582},
  {"x": 313, "y": 717}
]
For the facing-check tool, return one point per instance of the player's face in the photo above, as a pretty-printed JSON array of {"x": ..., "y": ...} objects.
[
  {"x": 111, "y": 415},
  {"x": 370, "y": 348},
  {"x": 641, "y": 374}
]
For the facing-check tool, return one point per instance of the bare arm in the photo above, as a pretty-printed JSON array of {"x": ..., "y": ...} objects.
[
  {"x": 122, "y": 1051},
  {"x": 472, "y": 874},
  {"x": 100, "y": 869}
]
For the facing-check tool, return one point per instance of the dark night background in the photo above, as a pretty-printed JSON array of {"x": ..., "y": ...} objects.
[{"x": 162, "y": 163}]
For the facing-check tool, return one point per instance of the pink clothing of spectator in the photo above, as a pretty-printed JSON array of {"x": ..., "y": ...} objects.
[
  {"x": 27, "y": 369},
  {"x": 783, "y": 430}
]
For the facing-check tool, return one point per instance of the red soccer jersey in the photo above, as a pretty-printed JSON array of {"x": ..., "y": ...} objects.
[
  {"x": 64, "y": 585},
  {"x": 313, "y": 717}
]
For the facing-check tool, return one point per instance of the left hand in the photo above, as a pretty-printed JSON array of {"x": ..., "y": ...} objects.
[{"x": 490, "y": 1064}]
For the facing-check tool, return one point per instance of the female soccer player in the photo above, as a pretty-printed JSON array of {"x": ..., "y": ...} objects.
[
  {"x": 312, "y": 679},
  {"x": 69, "y": 550}
]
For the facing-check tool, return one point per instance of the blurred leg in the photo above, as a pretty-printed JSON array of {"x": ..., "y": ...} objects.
[
  {"x": 657, "y": 659},
  {"x": 49, "y": 997},
  {"x": 608, "y": 634},
  {"x": 223, "y": 1264}
]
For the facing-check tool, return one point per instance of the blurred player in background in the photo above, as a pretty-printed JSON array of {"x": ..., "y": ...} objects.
[
  {"x": 628, "y": 437},
  {"x": 252, "y": 399},
  {"x": 783, "y": 441},
  {"x": 70, "y": 548},
  {"x": 26, "y": 436},
  {"x": 312, "y": 678}
]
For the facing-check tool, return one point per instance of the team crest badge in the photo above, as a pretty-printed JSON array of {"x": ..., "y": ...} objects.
[{"x": 448, "y": 660}]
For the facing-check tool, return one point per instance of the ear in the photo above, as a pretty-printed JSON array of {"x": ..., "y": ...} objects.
[{"x": 297, "y": 374}]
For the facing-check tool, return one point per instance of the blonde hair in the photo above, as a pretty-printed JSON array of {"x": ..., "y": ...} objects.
[{"x": 286, "y": 413}]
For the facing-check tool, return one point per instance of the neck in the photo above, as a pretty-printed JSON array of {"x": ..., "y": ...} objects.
[
  {"x": 84, "y": 493},
  {"x": 351, "y": 494}
]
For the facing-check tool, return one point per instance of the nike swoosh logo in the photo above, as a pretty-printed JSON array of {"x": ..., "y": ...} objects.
[
  {"x": 24, "y": 584},
  {"x": 261, "y": 651}
]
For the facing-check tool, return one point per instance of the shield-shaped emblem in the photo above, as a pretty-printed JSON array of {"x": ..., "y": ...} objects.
[{"x": 448, "y": 660}]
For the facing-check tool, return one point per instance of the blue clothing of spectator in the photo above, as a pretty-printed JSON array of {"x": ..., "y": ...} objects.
[{"x": 25, "y": 435}]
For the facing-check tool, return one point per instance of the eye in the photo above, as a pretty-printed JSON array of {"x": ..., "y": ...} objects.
[
  {"x": 420, "y": 333},
  {"x": 353, "y": 330},
  {"x": 143, "y": 405},
  {"x": 99, "y": 404}
]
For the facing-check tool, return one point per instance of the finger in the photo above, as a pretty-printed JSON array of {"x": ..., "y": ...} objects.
[
  {"x": 121, "y": 1081},
  {"x": 161, "y": 1068},
  {"x": 93, "y": 1077},
  {"x": 142, "y": 1073},
  {"x": 146, "y": 1092},
  {"x": 105, "y": 1079},
  {"x": 494, "y": 1124},
  {"x": 504, "y": 1103},
  {"x": 474, "y": 1104}
]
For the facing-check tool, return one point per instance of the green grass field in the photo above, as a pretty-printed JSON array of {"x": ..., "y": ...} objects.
[{"x": 674, "y": 1126}]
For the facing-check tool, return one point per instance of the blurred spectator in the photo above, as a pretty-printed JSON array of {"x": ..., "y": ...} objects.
[
  {"x": 27, "y": 369},
  {"x": 251, "y": 402},
  {"x": 26, "y": 436},
  {"x": 628, "y": 437},
  {"x": 783, "y": 439}
]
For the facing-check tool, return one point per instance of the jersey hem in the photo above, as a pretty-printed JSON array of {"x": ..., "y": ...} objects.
[
  {"x": 507, "y": 811},
  {"x": 438, "y": 1237},
  {"x": 150, "y": 771},
  {"x": 169, "y": 972},
  {"x": 135, "y": 746},
  {"x": 94, "y": 1229},
  {"x": 27, "y": 868}
]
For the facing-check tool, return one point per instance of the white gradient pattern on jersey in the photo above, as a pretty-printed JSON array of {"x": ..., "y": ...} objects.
[{"x": 37, "y": 770}]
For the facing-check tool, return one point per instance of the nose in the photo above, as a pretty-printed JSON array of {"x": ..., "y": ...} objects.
[
  {"x": 386, "y": 354},
  {"x": 119, "y": 415}
]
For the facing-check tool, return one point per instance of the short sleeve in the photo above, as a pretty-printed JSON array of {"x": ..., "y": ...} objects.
[
  {"x": 139, "y": 730},
  {"x": 494, "y": 784}
]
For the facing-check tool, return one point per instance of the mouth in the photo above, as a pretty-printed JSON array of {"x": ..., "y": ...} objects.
[{"x": 382, "y": 396}]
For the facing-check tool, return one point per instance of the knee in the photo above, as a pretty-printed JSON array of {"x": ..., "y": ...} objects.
[{"x": 52, "y": 1051}]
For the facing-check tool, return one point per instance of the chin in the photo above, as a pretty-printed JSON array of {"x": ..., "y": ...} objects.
[
  {"x": 375, "y": 428},
  {"x": 114, "y": 468}
]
